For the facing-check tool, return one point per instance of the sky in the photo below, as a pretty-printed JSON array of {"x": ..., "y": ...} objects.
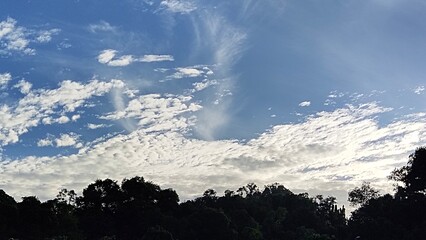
[{"x": 319, "y": 96}]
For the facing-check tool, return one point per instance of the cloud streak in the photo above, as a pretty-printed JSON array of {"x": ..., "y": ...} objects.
[{"x": 109, "y": 58}]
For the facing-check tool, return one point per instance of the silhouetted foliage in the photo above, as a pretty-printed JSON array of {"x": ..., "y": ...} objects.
[
  {"x": 8, "y": 215},
  {"x": 138, "y": 209},
  {"x": 361, "y": 195},
  {"x": 413, "y": 175},
  {"x": 402, "y": 216}
]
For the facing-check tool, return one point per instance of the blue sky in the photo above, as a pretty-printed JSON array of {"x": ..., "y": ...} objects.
[{"x": 317, "y": 95}]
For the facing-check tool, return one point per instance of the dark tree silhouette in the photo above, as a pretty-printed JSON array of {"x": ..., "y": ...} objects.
[
  {"x": 402, "y": 216},
  {"x": 413, "y": 175},
  {"x": 97, "y": 207},
  {"x": 361, "y": 195},
  {"x": 8, "y": 215}
]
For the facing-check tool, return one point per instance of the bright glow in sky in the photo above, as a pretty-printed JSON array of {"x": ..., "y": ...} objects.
[{"x": 194, "y": 94}]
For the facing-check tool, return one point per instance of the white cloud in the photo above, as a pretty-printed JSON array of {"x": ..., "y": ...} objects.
[
  {"x": 41, "y": 104},
  {"x": 199, "y": 86},
  {"x": 305, "y": 104},
  {"x": 5, "y": 78},
  {"x": 157, "y": 113},
  {"x": 15, "y": 38},
  {"x": 102, "y": 26},
  {"x": 24, "y": 86},
  {"x": 44, "y": 142},
  {"x": 419, "y": 89},
  {"x": 96, "y": 126},
  {"x": 185, "y": 73},
  {"x": 319, "y": 153},
  {"x": 177, "y": 6},
  {"x": 62, "y": 119},
  {"x": 108, "y": 57},
  {"x": 155, "y": 58},
  {"x": 74, "y": 118},
  {"x": 68, "y": 140},
  {"x": 65, "y": 140}
]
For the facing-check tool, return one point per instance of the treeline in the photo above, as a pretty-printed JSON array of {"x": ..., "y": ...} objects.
[{"x": 139, "y": 209}]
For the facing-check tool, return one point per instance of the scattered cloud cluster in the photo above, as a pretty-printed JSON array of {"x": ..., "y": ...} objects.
[
  {"x": 108, "y": 57},
  {"x": 65, "y": 140},
  {"x": 45, "y": 36},
  {"x": 39, "y": 106},
  {"x": 199, "y": 86},
  {"x": 158, "y": 113},
  {"x": 14, "y": 38},
  {"x": 419, "y": 89}
]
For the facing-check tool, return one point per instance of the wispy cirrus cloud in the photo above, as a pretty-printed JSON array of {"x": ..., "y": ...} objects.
[
  {"x": 225, "y": 43},
  {"x": 108, "y": 57},
  {"x": 101, "y": 26}
]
